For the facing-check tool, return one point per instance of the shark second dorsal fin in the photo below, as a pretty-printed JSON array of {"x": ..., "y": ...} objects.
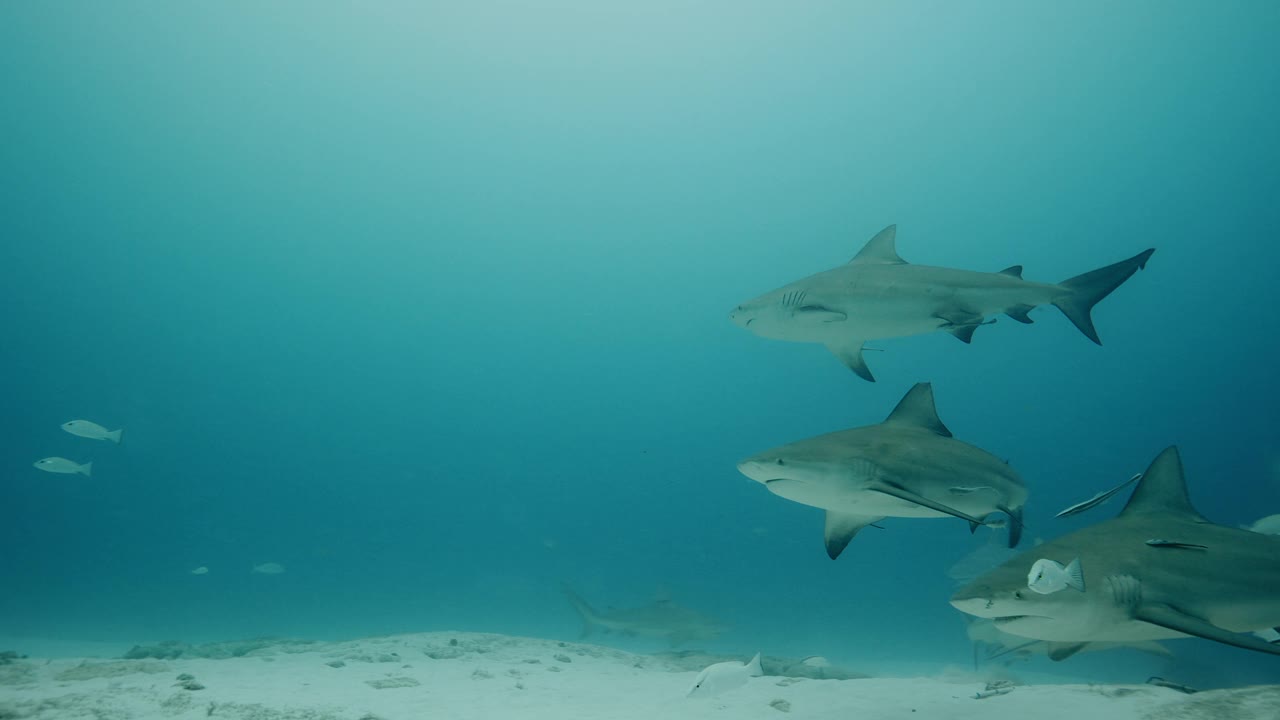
[
  {"x": 1012, "y": 270},
  {"x": 1163, "y": 489},
  {"x": 916, "y": 408},
  {"x": 880, "y": 250}
]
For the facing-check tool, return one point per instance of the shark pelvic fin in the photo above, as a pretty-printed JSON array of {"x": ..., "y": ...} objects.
[
  {"x": 1012, "y": 271},
  {"x": 850, "y": 354},
  {"x": 1169, "y": 617},
  {"x": 888, "y": 488},
  {"x": 961, "y": 323},
  {"x": 916, "y": 408},
  {"x": 840, "y": 529},
  {"x": 1163, "y": 489},
  {"x": 1019, "y": 313},
  {"x": 1085, "y": 291},
  {"x": 880, "y": 250},
  {"x": 1059, "y": 651}
]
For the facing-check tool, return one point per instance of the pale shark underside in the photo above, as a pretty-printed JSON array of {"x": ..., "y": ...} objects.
[
  {"x": 1160, "y": 570},
  {"x": 879, "y": 295}
]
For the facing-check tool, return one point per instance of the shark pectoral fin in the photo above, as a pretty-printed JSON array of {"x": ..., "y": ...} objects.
[
  {"x": 840, "y": 529},
  {"x": 1059, "y": 651},
  {"x": 1169, "y": 617},
  {"x": 1019, "y": 313},
  {"x": 888, "y": 488},
  {"x": 1015, "y": 523},
  {"x": 817, "y": 315},
  {"x": 850, "y": 354}
]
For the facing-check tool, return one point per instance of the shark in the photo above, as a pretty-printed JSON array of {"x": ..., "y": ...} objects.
[
  {"x": 661, "y": 619},
  {"x": 878, "y": 295},
  {"x": 1198, "y": 579},
  {"x": 907, "y": 466},
  {"x": 990, "y": 643}
]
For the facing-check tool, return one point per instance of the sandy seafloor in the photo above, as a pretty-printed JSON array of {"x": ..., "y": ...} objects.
[{"x": 470, "y": 675}]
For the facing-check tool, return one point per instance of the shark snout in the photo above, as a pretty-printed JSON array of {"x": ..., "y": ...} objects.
[
  {"x": 759, "y": 470},
  {"x": 740, "y": 317}
]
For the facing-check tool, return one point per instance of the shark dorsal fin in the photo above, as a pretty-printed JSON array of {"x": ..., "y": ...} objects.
[
  {"x": 1163, "y": 489},
  {"x": 916, "y": 408},
  {"x": 880, "y": 249},
  {"x": 1013, "y": 271}
]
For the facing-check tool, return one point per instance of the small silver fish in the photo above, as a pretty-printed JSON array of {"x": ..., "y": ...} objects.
[
  {"x": 202, "y": 570},
  {"x": 1176, "y": 544},
  {"x": 269, "y": 568},
  {"x": 1098, "y": 499},
  {"x": 1047, "y": 576},
  {"x": 724, "y": 676},
  {"x": 64, "y": 466},
  {"x": 93, "y": 431}
]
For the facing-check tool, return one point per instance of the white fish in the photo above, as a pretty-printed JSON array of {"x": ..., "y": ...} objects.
[
  {"x": 268, "y": 568},
  {"x": 93, "y": 431},
  {"x": 202, "y": 570},
  {"x": 1269, "y": 525},
  {"x": 724, "y": 676},
  {"x": 1047, "y": 576},
  {"x": 64, "y": 466}
]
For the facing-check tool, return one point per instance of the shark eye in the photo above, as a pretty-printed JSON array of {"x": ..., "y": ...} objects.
[
  {"x": 1017, "y": 594},
  {"x": 780, "y": 462}
]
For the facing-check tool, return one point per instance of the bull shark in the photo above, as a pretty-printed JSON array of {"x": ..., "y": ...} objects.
[
  {"x": 661, "y": 618},
  {"x": 1201, "y": 579},
  {"x": 879, "y": 295},
  {"x": 907, "y": 466},
  {"x": 991, "y": 643}
]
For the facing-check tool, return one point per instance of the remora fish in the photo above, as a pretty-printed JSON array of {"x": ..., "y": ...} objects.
[
  {"x": 1138, "y": 592},
  {"x": 1098, "y": 499},
  {"x": 907, "y": 466},
  {"x": 879, "y": 295},
  {"x": 662, "y": 619}
]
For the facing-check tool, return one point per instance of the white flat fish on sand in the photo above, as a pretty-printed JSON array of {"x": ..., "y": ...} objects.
[{"x": 724, "y": 676}]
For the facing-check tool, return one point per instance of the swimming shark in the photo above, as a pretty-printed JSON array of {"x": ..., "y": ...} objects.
[
  {"x": 1201, "y": 579},
  {"x": 907, "y": 466},
  {"x": 661, "y": 618},
  {"x": 879, "y": 295},
  {"x": 991, "y": 643}
]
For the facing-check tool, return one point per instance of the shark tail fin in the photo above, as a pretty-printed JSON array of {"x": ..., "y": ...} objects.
[
  {"x": 753, "y": 667},
  {"x": 1075, "y": 575},
  {"x": 584, "y": 610},
  {"x": 1085, "y": 291}
]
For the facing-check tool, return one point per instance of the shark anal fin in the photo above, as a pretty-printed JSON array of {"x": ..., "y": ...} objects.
[
  {"x": 840, "y": 529},
  {"x": 1168, "y": 617},
  {"x": 850, "y": 354},
  {"x": 916, "y": 408},
  {"x": 1020, "y": 313},
  {"x": 1059, "y": 651},
  {"x": 888, "y": 488}
]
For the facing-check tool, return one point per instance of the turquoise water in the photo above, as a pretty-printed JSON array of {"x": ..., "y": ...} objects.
[{"x": 428, "y": 303}]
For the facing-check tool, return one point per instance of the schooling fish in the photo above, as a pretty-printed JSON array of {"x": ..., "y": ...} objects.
[
  {"x": 724, "y": 676},
  {"x": 93, "y": 431},
  {"x": 1098, "y": 499},
  {"x": 64, "y": 466},
  {"x": 1047, "y": 576}
]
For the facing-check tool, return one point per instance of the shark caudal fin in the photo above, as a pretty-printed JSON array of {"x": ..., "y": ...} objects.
[
  {"x": 1087, "y": 290},
  {"x": 588, "y": 615}
]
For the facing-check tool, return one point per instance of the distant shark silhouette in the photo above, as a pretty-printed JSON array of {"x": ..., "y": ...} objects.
[
  {"x": 879, "y": 295},
  {"x": 1160, "y": 570},
  {"x": 907, "y": 466},
  {"x": 661, "y": 618}
]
